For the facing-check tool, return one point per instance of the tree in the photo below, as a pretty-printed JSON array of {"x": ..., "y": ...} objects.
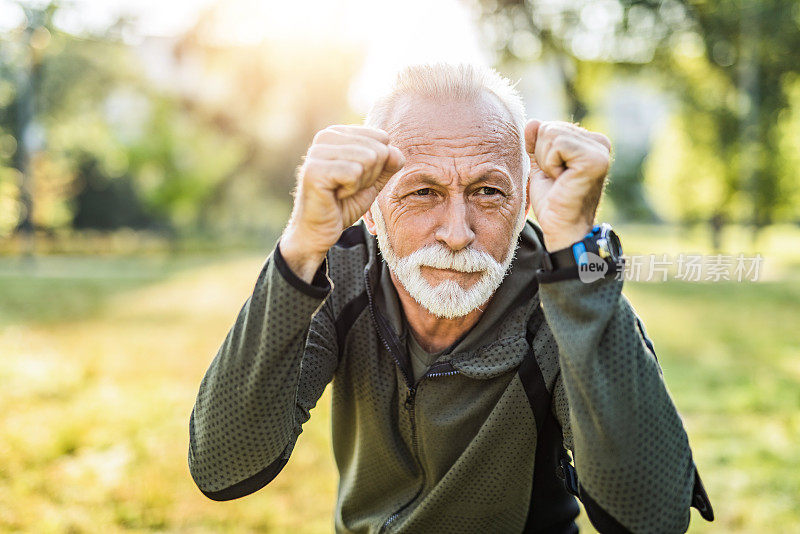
[{"x": 728, "y": 63}]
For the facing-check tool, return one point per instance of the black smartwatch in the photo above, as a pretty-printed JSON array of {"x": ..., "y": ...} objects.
[{"x": 597, "y": 255}]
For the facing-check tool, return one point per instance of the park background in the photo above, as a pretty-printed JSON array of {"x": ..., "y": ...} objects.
[{"x": 147, "y": 155}]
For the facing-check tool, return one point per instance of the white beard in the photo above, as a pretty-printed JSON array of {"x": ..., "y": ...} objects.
[{"x": 448, "y": 299}]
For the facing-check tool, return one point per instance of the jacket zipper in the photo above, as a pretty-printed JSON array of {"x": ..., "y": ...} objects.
[
  {"x": 380, "y": 334},
  {"x": 444, "y": 373},
  {"x": 408, "y": 403}
]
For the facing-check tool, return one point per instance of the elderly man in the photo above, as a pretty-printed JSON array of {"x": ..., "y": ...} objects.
[{"x": 466, "y": 347}]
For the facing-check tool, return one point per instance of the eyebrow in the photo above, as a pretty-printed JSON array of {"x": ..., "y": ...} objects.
[
  {"x": 429, "y": 179},
  {"x": 493, "y": 173},
  {"x": 423, "y": 177}
]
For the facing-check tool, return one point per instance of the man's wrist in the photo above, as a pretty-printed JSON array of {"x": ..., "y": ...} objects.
[
  {"x": 564, "y": 239},
  {"x": 299, "y": 257},
  {"x": 596, "y": 255}
]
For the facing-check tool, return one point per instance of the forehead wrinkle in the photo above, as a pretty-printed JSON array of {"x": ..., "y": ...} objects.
[
  {"x": 484, "y": 121},
  {"x": 444, "y": 137},
  {"x": 459, "y": 174},
  {"x": 414, "y": 142}
]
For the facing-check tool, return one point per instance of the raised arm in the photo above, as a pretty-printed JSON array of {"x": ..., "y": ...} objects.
[
  {"x": 631, "y": 452},
  {"x": 630, "y": 449},
  {"x": 281, "y": 352},
  {"x": 248, "y": 415}
]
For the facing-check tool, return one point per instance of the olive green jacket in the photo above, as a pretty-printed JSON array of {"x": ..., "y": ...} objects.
[{"x": 475, "y": 445}]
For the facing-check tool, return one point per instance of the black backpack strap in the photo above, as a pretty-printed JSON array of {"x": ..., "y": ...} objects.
[
  {"x": 347, "y": 317},
  {"x": 552, "y": 456},
  {"x": 552, "y": 509},
  {"x": 700, "y": 498}
]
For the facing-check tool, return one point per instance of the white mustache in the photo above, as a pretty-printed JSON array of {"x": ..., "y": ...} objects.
[{"x": 438, "y": 256}]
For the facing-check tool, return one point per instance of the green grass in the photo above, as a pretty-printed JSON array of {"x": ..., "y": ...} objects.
[
  {"x": 731, "y": 358},
  {"x": 98, "y": 374},
  {"x": 100, "y": 359}
]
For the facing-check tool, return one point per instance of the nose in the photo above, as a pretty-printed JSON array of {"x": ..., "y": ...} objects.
[{"x": 455, "y": 230}]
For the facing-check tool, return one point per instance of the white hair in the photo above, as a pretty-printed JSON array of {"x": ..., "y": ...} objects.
[{"x": 451, "y": 82}]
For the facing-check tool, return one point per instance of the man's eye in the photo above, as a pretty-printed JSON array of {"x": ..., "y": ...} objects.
[
  {"x": 489, "y": 191},
  {"x": 423, "y": 192}
]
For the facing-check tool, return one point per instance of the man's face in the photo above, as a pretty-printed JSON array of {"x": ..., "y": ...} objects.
[{"x": 459, "y": 202}]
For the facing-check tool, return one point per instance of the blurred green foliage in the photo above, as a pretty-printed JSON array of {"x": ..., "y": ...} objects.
[
  {"x": 729, "y": 153},
  {"x": 96, "y": 134},
  {"x": 209, "y": 147}
]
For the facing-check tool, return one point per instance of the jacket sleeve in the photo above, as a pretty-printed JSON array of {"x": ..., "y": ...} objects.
[
  {"x": 631, "y": 452},
  {"x": 269, "y": 372}
]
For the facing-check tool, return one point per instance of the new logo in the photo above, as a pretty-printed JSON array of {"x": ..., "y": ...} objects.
[{"x": 591, "y": 267}]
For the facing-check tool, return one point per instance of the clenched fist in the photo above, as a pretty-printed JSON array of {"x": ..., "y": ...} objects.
[
  {"x": 568, "y": 169},
  {"x": 344, "y": 170}
]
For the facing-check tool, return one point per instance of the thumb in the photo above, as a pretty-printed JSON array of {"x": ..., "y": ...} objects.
[
  {"x": 531, "y": 134},
  {"x": 395, "y": 160}
]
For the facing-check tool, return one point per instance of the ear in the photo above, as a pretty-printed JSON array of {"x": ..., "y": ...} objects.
[
  {"x": 370, "y": 222},
  {"x": 526, "y": 180}
]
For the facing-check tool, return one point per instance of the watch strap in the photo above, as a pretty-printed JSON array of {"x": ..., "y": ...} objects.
[{"x": 564, "y": 263}]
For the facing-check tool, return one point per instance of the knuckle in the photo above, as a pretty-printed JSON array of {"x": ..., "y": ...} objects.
[
  {"x": 381, "y": 153},
  {"x": 309, "y": 171},
  {"x": 560, "y": 142},
  {"x": 544, "y": 129},
  {"x": 323, "y": 135},
  {"x": 355, "y": 169},
  {"x": 314, "y": 150},
  {"x": 369, "y": 157},
  {"x": 601, "y": 162},
  {"x": 382, "y": 135}
]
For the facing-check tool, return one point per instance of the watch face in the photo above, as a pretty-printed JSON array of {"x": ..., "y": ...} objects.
[{"x": 614, "y": 245}]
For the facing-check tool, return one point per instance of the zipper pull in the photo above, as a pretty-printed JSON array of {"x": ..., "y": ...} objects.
[{"x": 409, "y": 399}]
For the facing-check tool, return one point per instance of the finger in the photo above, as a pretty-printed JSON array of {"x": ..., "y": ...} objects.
[
  {"x": 358, "y": 153},
  {"x": 544, "y": 142},
  {"x": 364, "y": 155},
  {"x": 564, "y": 148},
  {"x": 538, "y": 187},
  {"x": 341, "y": 176},
  {"x": 395, "y": 160},
  {"x": 600, "y": 138},
  {"x": 335, "y": 136},
  {"x": 569, "y": 128},
  {"x": 354, "y": 129},
  {"x": 331, "y": 136},
  {"x": 531, "y": 134},
  {"x": 555, "y": 161}
]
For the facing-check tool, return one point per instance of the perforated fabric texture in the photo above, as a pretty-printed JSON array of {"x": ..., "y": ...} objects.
[
  {"x": 640, "y": 453},
  {"x": 453, "y": 452},
  {"x": 251, "y": 383}
]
